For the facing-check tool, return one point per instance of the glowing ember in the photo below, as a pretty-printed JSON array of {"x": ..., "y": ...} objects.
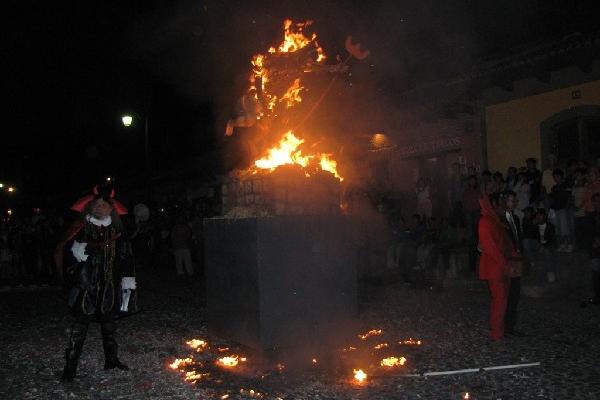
[
  {"x": 225, "y": 397},
  {"x": 359, "y": 376},
  {"x": 229, "y": 361},
  {"x": 393, "y": 362},
  {"x": 466, "y": 396},
  {"x": 349, "y": 349},
  {"x": 410, "y": 342},
  {"x": 381, "y": 346},
  {"x": 314, "y": 360},
  {"x": 180, "y": 362},
  {"x": 280, "y": 367},
  {"x": 197, "y": 344},
  {"x": 193, "y": 376},
  {"x": 251, "y": 393},
  {"x": 372, "y": 332},
  {"x": 223, "y": 349}
]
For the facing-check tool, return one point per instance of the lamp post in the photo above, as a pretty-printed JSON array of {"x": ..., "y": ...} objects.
[{"x": 127, "y": 120}]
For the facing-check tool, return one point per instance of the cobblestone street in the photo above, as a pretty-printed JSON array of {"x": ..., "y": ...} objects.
[{"x": 451, "y": 325}]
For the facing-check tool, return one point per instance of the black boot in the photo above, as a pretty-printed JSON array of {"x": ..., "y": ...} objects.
[
  {"x": 111, "y": 347},
  {"x": 78, "y": 334}
]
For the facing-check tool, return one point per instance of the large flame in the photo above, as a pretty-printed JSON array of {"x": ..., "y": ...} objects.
[
  {"x": 271, "y": 73},
  {"x": 287, "y": 152}
]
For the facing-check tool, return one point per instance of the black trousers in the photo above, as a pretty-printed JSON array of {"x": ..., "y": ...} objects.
[
  {"x": 108, "y": 328},
  {"x": 512, "y": 304}
]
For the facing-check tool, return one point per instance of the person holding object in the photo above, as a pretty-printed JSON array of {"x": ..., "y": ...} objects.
[
  {"x": 98, "y": 267},
  {"x": 495, "y": 262}
]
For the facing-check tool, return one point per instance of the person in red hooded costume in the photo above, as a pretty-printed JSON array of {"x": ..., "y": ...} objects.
[{"x": 494, "y": 264}]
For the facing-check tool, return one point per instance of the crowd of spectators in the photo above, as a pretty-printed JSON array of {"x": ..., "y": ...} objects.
[
  {"x": 168, "y": 240},
  {"x": 558, "y": 210}
]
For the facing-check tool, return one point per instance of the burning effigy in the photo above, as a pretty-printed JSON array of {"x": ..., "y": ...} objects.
[{"x": 291, "y": 174}]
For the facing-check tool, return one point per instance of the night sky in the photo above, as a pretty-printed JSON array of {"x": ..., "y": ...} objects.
[{"x": 72, "y": 68}]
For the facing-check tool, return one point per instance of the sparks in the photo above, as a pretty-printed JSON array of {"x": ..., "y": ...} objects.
[{"x": 380, "y": 346}]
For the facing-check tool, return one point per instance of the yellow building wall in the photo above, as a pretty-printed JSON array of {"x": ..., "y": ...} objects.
[{"x": 513, "y": 127}]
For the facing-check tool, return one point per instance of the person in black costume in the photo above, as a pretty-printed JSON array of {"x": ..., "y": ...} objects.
[
  {"x": 512, "y": 225},
  {"x": 97, "y": 267}
]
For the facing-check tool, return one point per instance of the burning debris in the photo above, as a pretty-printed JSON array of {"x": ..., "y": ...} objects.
[
  {"x": 360, "y": 377},
  {"x": 230, "y": 361},
  {"x": 410, "y": 342},
  {"x": 372, "y": 332},
  {"x": 197, "y": 344},
  {"x": 193, "y": 376},
  {"x": 393, "y": 362},
  {"x": 180, "y": 363},
  {"x": 225, "y": 374}
]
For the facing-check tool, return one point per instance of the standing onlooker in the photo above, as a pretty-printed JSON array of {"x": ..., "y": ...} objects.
[
  {"x": 181, "y": 236},
  {"x": 494, "y": 265},
  {"x": 579, "y": 218},
  {"x": 498, "y": 183},
  {"x": 592, "y": 186},
  {"x": 488, "y": 187},
  {"x": 534, "y": 178},
  {"x": 513, "y": 228},
  {"x": 539, "y": 239},
  {"x": 511, "y": 178},
  {"x": 424, "y": 206},
  {"x": 523, "y": 194},
  {"x": 470, "y": 202},
  {"x": 595, "y": 247},
  {"x": 559, "y": 197}
]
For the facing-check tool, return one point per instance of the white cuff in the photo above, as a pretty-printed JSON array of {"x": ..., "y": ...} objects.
[
  {"x": 128, "y": 282},
  {"x": 78, "y": 250}
]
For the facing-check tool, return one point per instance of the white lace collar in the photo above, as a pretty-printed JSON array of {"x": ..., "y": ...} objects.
[{"x": 99, "y": 222}]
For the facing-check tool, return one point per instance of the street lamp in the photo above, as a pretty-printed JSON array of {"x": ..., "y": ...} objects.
[{"x": 127, "y": 120}]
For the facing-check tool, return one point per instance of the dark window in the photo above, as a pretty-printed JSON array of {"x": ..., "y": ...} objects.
[
  {"x": 593, "y": 133},
  {"x": 566, "y": 141}
]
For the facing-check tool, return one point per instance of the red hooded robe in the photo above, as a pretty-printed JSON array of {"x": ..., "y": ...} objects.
[{"x": 494, "y": 243}]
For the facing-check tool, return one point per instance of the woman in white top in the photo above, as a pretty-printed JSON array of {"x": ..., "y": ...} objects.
[{"x": 523, "y": 192}]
